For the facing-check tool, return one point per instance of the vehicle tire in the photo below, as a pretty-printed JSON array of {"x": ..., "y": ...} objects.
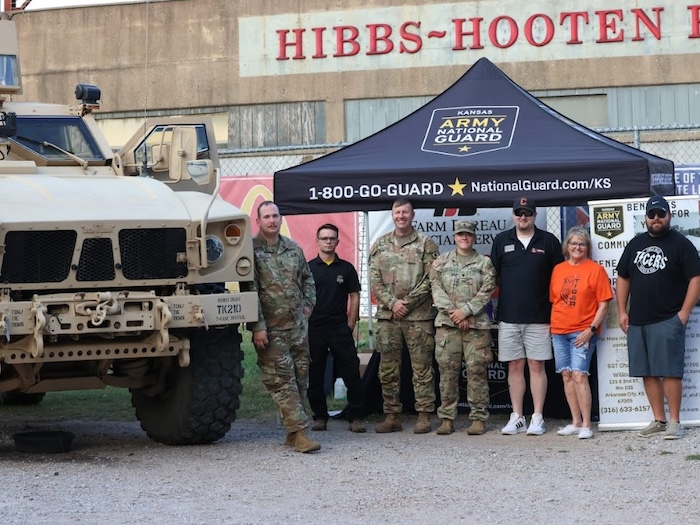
[
  {"x": 201, "y": 400},
  {"x": 15, "y": 397}
]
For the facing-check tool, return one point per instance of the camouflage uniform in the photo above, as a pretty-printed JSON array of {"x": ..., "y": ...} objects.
[
  {"x": 285, "y": 287},
  {"x": 399, "y": 269},
  {"x": 465, "y": 283}
]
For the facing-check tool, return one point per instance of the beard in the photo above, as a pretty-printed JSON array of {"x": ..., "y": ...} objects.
[{"x": 658, "y": 229}]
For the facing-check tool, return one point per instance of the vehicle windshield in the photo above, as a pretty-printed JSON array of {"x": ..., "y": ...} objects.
[{"x": 44, "y": 135}]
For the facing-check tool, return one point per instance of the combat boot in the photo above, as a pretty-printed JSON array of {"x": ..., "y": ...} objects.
[
  {"x": 303, "y": 443},
  {"x": 357, "y": 426},
  {"x": 289, "y": 440},
  {"x": 447, "y": 427},
  {"x": 392, "y": 423},
  {"x": 423, "y": 425},
  {"x": 477, "y": 428},
  {"x": 319, "y": 425}
]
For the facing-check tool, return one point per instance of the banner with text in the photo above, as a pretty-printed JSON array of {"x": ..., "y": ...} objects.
[{"x": 438, "y": 224}]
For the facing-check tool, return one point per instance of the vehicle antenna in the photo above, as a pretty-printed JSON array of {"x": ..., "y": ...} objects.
[{"x": 144, "y": 168}]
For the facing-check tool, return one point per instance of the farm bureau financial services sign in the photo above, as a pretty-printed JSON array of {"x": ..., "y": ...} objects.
[{"x": 458, "y": 33}]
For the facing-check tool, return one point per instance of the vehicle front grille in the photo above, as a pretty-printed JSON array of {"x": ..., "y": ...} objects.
[
  {"x": 96, "y": 260},
  {"x": 151, "y": 253},
  {"x": 46, "y": 256},
  {"x": 37, "y": 256}
]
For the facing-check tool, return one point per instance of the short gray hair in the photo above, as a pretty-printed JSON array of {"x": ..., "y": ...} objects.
[{"x": 576, "y": 231}]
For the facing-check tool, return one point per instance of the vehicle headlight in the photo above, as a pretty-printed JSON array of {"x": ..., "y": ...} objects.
[
  {"x": 215, "y": 249},
  {"x": 233, "y": 234}
]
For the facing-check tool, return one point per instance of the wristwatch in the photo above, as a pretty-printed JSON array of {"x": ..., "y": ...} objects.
[{"x": 593, "y": 329}]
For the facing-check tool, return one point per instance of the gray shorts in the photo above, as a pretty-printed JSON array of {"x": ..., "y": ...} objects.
[
  {"x": 520, "y": 341},
  {"x": 657, "y": 350}
]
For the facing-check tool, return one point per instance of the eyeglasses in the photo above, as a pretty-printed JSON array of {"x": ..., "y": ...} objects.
[
  {"x": 523, "y": 213},
  {"x": 578, "y": 244},
  {"x": 327, "y": 239},
  {"x": 661, "y": 214}
]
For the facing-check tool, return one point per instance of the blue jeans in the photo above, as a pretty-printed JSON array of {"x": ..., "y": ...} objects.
[{"x": 570, "y": 357}]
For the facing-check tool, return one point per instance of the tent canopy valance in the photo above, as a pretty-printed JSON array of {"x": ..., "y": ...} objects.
[{"x": 482, "y": 143}]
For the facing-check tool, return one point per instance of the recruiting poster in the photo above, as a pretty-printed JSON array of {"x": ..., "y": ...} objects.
[{"x": 623, "y": 403}]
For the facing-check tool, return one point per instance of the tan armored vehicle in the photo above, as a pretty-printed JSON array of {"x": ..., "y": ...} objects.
[{"x": 112, "y": 266}]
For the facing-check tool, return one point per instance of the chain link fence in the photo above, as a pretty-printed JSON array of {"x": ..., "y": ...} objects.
[{"x": 681, "y": 144}]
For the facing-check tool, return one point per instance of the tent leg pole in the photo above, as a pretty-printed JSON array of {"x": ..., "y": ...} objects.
[{"x": 368, "y": 284}]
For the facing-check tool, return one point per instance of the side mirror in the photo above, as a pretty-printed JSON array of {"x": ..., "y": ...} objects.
[
  {"x": 183, "y": 149},
  {"x": 200, "y": 171}
]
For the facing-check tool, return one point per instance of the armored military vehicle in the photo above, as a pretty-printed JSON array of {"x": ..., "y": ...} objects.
[{"x": 119, "y": 269}]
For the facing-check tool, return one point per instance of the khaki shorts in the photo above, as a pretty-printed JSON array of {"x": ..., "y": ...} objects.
[{"x": 520, "y": 341}]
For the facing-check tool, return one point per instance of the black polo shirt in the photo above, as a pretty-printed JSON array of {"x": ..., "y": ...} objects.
[
  {"x": 524, "y": 275},
  {"x": 334, "y": 282}
]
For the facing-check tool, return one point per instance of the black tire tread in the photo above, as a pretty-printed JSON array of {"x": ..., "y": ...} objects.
[{"x": 203, "y": 398}]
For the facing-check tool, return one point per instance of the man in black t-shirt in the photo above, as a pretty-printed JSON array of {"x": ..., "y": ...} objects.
[
  {"x": 659, "y": 276},
  {"x": 331, "y": 328}
]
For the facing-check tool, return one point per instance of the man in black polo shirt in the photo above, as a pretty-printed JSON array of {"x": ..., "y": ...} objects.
[
  {"x": 330, "y": 329},
  {"x": 524, "y": 257}
]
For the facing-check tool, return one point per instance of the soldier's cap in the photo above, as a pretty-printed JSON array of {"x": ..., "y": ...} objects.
[
  {"x": 524, "y": 203},
  {"x": 657, "y": 202},
  {"x": 465, "y": 227}
]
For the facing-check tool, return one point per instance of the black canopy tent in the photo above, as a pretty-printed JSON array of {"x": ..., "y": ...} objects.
[{"x": 481, "y": 143}]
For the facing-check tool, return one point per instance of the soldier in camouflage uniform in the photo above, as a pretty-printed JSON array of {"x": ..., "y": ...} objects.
[
  {"x": 399, "y": 265},
  {"x": 287, "y": 296},
  {"x": 462, "y": 282}
]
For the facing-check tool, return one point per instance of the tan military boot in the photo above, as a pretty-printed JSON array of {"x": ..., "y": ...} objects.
[
  {"x": 289, "y": 440},
  {"x": 423, "y": 425},
  {"x": 392, "y": 423},
  {"x": 357, "y": 426},
  {"x": 447, "y": 427},
  {"x": 477, "y": 428},
  {"x": 303, "y": 443},
  {"x": 319, "y": 425}
]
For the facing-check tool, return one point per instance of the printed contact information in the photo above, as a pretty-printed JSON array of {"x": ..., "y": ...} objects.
[
  {"x": 375, "y": 190},
  {"x": 622, "y": 410},
  {"x": 394, "y": 190}
]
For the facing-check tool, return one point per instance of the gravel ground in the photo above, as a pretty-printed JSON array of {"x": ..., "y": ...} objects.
[{"x": 115, "y": 475}]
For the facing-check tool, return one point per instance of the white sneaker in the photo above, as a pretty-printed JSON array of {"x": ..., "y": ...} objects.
[
  {"x": 536, "y": 427},
  {"x": 585, "y": 433},
  {"x": 516, "y": 424},
  {"x": 569, "y": 430}
]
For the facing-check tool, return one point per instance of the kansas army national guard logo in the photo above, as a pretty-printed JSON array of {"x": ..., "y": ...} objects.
[
  {"x": 608, "y": 221},
  {"x": 470, "y": 130}
]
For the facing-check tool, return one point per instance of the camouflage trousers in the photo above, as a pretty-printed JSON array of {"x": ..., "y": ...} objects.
[
  {"x": 418, "y": 338},
  {"x": 474, "y": 346},
  {"x": 284, "y": 370}
]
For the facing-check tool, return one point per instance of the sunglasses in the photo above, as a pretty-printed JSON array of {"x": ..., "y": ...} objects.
[
  {"x": 661, "y": 214},
  {"x": 523, "y": 213}
]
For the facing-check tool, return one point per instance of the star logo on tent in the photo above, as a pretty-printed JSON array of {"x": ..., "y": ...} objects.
[
  {"x": 464, "y": 148},
  {"x": 457, "y": 187}
]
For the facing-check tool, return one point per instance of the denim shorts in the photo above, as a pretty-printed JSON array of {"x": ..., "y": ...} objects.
[{"x": 570, "y": 357}]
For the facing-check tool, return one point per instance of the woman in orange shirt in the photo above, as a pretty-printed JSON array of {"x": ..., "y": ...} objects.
[{"x": 580, "y": 292}]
